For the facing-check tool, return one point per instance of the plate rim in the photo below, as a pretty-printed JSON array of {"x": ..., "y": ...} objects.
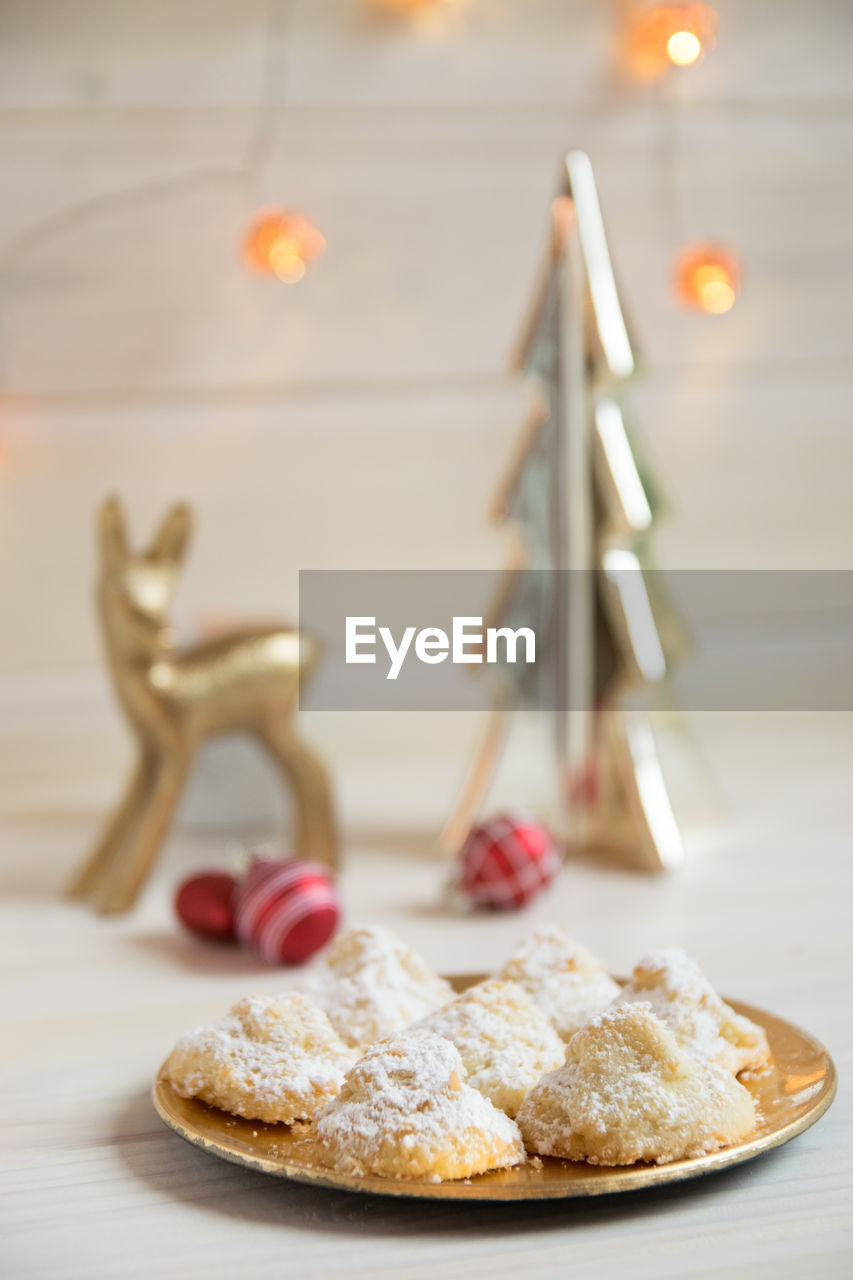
[{"x": 614, "y": 1180}]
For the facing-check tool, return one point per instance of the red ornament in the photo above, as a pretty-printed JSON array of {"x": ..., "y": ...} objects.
[
  {"x": 286, "y": 908},
  {"x": 204, "y": 903},
  {"x": 506, "y": 860}
]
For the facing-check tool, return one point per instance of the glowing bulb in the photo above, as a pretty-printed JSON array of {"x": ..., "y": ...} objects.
[
  {"x": 660, "y": 36},
  {"x": 281, "y": 243},
  {"x": 714, "y": 288},
  {"x": 286, "y": 261},
  {"x": 707, "y": 278},
  {"x": 683, "y": 47},
  {"x": 412, "y": 9},
  {"x": 401, "y": 6}
]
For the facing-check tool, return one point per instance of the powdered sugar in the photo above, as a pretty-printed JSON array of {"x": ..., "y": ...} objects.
[
  {"x": 405, "y": 1110},
  {"x": 268, "y": 1059},
  {"x": 682, "y": 997},
  {"x": 372, "y": 985},
  {"x": 564, "y": 979},
  {"x": 505, "y": 1041},
  {"x": 628, "y": 1092},
  {"x": 650, "y": 1078}
]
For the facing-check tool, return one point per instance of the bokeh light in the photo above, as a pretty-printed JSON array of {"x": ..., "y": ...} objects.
[
  {"x": 403, "y": 8},
  {"x": 707, "y": 278},
  {"x": 683, "y": 48},
  {"x": 281, "y": 243},
  {"x": 660, "y": 36}
]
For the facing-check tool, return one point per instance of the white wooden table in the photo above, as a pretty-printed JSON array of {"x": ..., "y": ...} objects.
[{"x": 93, "y": 1186}]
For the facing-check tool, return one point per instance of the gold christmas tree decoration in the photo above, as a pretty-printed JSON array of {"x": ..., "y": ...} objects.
[
  {"x": 174, "y": 699},
  {"x": 576, "y": 501}
]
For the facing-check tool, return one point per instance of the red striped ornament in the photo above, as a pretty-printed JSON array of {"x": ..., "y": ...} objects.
[
  {"x": 506, "y": 861},
  {"x": 286, "y": 908}
]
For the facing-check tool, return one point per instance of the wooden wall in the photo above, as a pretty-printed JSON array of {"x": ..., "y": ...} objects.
[{"x": 362, "y": 417}]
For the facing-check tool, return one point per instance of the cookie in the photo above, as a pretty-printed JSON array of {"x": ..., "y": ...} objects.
[
  {"x": 372, "y": 985},
  {"x": 628, "y": 1092},
  {"x": 405, "y": 1111},
  {"x": 273, "y": 1059},
  {"x": 683, "y": 998},
  {"x": 564, "y": 979},
  {"x": 505, "y": 1040}
]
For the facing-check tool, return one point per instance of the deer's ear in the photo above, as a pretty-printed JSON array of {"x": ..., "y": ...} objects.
[
  {"x": 112, "y": 533},
  {"x": 170, "y": 540}
]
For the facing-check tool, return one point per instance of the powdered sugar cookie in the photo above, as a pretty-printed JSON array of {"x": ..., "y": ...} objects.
[
  {"x": 629, "y": 1092},
  {"x": 273, "y": 1059},
  {"x": 405, "y": 1111},
  {"x": 372, "y": 985},
  {"x": 505, "y": 1040},
  {"x": 683, "y": 998},
  {"x": 564, "y": 979}
]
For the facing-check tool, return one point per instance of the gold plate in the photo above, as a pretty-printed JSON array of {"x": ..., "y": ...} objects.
[{"x": 789, "y": 1098}]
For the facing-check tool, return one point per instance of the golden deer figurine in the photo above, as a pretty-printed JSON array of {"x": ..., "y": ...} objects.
[{"x": 244, "y": 681}]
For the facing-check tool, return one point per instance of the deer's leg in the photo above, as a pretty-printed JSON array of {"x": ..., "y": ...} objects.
[
  {"x": 316, "y": 833},
  {"x": 121, "y": 883},
  {"x": 88, "y": 877}
]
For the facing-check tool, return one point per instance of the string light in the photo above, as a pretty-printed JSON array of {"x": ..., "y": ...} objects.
[
  {"x": 683, "y": 48},
  {"x": 663, "y": 35},
  {"x": 281, "y": 242},
  {"x": 404, "y": 7},
  {"x": 707, "y": 278}
]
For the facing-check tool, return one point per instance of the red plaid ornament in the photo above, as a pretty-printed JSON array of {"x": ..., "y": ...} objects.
[
  {"x": 286, "y": 908},
  {"x": 506, "y": 860}
]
